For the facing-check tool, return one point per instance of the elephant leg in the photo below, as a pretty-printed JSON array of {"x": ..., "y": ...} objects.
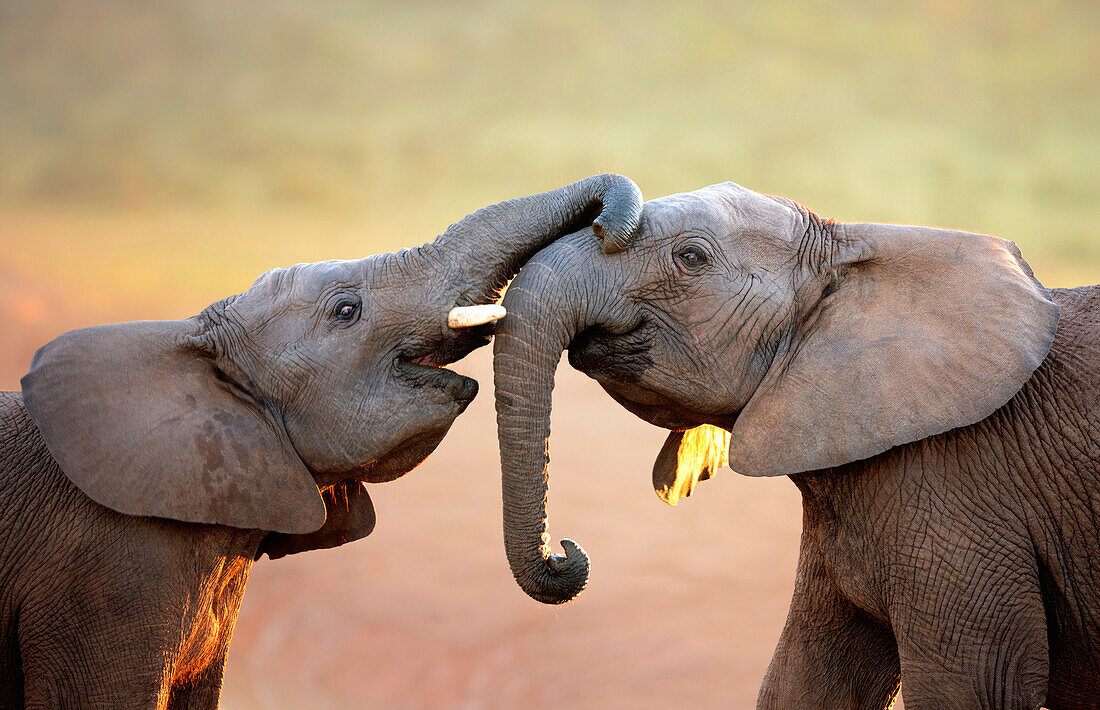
[
  {"x": 202, "y": 688},
  {"x": 972, "y": 631},
  {"x": 831, "y": 654},
  {"x": 66, "y": 671},
  {"x": 97, "y": 667},
  {"x": 201, "y": 664},
  {"x": 11, "y": 666},
  {"x": 55, "y": 679},
  {"x": 78, "y": 653},
  {"x": 202, "y": 691},
  {"x": 993, "y": 667}
]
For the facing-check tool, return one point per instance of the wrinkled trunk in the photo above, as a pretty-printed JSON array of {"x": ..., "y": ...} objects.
[
  {"x": 547, "y": 306},
  {"x": 481, "y": 252},
  {"x": 473, "y": 260}
]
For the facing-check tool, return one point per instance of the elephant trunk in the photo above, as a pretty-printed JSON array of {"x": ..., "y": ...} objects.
[
  {"x": 545, "y": 313},
  {"x": 484, "y": 250}
]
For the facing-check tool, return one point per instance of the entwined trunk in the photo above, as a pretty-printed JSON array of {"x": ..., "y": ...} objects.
[
  {"x": 485, "y": 249},
  {"x": 545, "y": 312}
]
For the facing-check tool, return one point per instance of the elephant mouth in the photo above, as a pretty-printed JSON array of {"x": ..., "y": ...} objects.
[
  {"x": 454, "y": 347},
  {"x": 659, "y": 410},
  {"x": 620, "y": 364},
  {"x": 608, "y": 356},
  {"x": 421, "y": 366}
]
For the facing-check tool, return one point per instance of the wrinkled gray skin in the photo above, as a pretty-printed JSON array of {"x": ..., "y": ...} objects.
[
  {"x": 935, "y": 405},
  {"x": 145, "y": 466}
]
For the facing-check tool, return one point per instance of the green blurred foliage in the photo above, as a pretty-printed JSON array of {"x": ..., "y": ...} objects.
[{"x": 977, "y": 115}]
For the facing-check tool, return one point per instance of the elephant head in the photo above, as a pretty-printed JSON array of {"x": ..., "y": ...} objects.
[
  {"x": 272, "y": 405},
  {"x": 745, "y": 321}
]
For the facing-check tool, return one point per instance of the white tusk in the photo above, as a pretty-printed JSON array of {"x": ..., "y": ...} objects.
[{"x": 469, "y": 316}]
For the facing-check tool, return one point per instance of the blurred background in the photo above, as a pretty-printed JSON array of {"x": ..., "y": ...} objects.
[{"x": 155, "y": 157}]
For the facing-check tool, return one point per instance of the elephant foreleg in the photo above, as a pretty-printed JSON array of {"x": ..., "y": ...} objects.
[
  {"x": 979, "y": 641},
  {"x": 200, "y": 692},
  {"x": 831, "y": 654}
]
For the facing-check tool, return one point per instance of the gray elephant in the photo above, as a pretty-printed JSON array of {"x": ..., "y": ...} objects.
[
  {"x": 145, "y": 466},
  {"x": 936, "y": 406}
]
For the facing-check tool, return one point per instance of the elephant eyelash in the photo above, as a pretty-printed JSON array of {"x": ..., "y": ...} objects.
[
  {"x": 346, "y": 311},
  {"x": 691, "y": 257},
  {"x": 832, "y": 284}
]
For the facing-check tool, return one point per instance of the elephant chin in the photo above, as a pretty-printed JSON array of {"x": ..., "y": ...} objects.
[
  {"x": 618, "y": 361},
  {"x": 400, "y": 460},
  {"x": 661, "y": 411}
]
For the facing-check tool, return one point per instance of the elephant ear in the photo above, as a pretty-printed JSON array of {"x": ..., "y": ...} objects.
[
  {"x": 686, "y": 458},
  {"x": 140, "y": 418},
  {"x": 350, "y": 517},
  {"x": 926, "y": 330}
]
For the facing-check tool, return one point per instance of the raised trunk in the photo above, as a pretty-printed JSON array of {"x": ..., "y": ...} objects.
[
  {"x": 482, "y": 251},
  {"x": 544, "y": 315}
]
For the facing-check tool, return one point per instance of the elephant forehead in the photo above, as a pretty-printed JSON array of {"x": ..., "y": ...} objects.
[
  {"x": 725, "y": 208},
  {"x": 289, "y": 289},
  {"x": 305, "y": 281},
  {"x": 311, "y": 280}
]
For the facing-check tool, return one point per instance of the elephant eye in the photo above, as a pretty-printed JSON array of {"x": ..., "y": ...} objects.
[
  {"x": 691, "y": 257},
  {"x": 346, "y": 311}
]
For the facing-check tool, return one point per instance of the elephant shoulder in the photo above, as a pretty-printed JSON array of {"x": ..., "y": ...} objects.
[
  {"x": 1076, "y": 349},
  {"x": 1079, "y": 322},
  {"x": 1060, "y": 397},
  {"x": 29, "y": 475},
  {"x": 21, "y": 444},
  {"x": 12, "y": 412}
]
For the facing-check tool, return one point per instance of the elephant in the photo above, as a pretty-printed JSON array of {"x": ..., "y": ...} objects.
[
  {"x": 145, "y": 466},
  {"x": 935, "y": 405}
]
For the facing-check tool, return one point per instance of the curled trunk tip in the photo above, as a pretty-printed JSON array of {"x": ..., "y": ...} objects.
[
  {"x": 621, "y": 214},
  {"x": 559, "y": 578}
]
